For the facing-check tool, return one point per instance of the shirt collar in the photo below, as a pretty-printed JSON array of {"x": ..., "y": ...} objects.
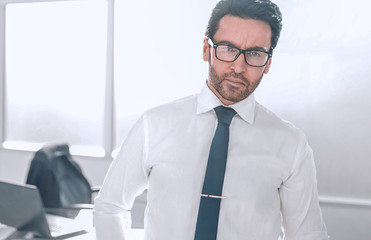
[{"x": 207, "y": 101}]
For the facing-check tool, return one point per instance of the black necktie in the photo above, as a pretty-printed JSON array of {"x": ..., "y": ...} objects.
[{"x": 208, "y": 213}]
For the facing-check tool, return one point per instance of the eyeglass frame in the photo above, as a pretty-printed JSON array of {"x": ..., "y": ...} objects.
[{"x": 215, "y": 45}]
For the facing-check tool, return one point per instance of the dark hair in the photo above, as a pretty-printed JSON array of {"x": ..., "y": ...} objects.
[{"x": 263, "y": 10}]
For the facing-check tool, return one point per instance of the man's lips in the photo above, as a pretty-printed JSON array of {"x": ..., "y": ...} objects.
[{"x": 235, "y": 81}]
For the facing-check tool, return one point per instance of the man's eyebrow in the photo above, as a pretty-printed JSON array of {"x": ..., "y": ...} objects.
[
  {"x": 227, "y": 43},
  {"x": 257, "y": 48}
]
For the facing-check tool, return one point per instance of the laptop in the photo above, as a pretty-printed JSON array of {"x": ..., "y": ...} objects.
[
  {"x": 6, "y": 231},
  {"x": 21, "y": 207}
]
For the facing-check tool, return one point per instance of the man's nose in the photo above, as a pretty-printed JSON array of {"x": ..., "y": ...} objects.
[{"x": 239, "y": 65}]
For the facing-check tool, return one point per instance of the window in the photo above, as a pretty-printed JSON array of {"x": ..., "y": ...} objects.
[
  {"x": 58, "y": 77},
  {"x": 56, "y": 54},
  {"x": 158, "y": 55}
]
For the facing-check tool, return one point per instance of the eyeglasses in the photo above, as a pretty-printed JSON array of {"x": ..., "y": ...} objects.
[{"x": 228, "y": 53}]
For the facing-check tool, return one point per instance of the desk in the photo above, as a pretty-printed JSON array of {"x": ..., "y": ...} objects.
[
  {"x": 135, "y": 234},
  {"x": 85, "y": 219}
]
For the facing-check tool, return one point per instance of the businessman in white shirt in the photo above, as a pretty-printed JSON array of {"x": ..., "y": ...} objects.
[{"x": 269, "y": 185}]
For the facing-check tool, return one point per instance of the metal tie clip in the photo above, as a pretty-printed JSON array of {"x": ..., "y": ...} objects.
[{"x": 212, "y": 196}]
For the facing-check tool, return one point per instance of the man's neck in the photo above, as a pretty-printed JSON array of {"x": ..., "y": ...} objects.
[{"x": 223, "y": 100}]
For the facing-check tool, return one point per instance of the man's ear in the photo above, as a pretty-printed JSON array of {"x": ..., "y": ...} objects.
[
  {"x": 206, "y": 50},
  {"x": 267, "y": 67}
]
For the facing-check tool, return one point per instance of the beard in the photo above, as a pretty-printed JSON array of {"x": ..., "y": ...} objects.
[{"x": 231, "y": 92}]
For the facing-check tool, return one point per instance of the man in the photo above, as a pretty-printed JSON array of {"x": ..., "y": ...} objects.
[{"x": 269, "y": 174}]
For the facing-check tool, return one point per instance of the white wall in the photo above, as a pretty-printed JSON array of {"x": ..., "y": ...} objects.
[{"x": 320, "y": 80}]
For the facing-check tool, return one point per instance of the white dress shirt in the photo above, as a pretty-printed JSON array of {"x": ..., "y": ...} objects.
[{"x": 270, "y": 178}]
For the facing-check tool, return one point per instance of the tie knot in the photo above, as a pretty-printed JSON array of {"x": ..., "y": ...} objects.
[{"x": 225, "y": 114}]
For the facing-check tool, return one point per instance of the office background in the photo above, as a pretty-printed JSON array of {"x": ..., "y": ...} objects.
[{"x": 150, "y": 53}]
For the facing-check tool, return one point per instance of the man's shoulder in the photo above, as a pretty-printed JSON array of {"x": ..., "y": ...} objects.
[
  {"x": 178, "y": 107},
  {"x": 269, "y": 118}
]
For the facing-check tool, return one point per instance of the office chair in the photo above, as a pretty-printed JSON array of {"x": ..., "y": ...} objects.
[{"x": 60, "y": 179}]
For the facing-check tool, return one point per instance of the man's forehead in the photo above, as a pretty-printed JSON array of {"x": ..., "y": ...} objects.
[{"x": 244, "y": 31}]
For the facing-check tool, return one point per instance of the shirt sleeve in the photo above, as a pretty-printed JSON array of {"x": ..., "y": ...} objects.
[
  {"x": 126, "y": 178},
  {"x": 301, "y": 213}
]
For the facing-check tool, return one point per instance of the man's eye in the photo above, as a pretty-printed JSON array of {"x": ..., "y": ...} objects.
[
  {"x": 231, "y": 49},
  {"x": 254, "y": 53}
]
